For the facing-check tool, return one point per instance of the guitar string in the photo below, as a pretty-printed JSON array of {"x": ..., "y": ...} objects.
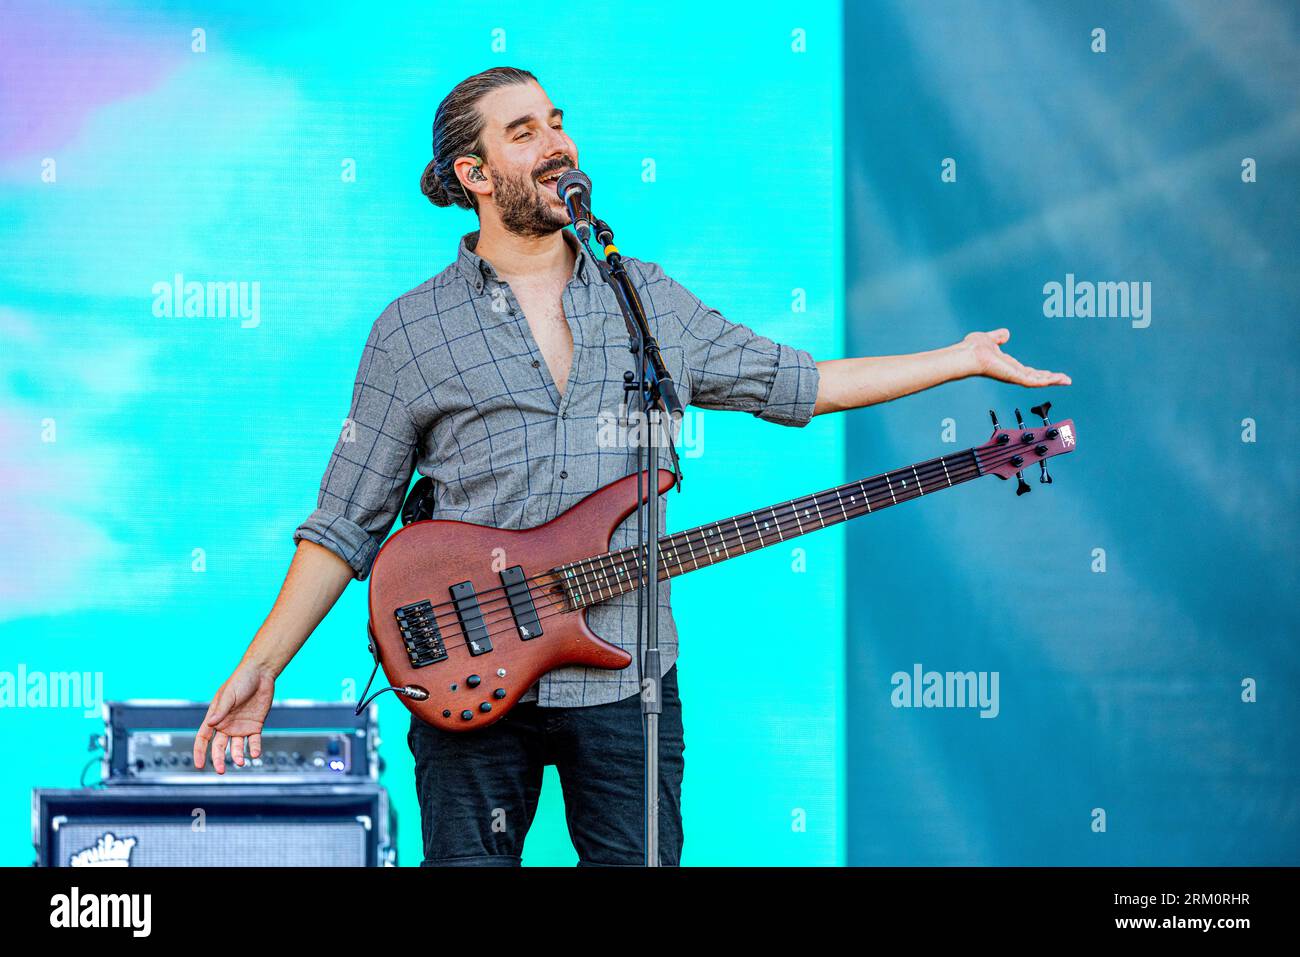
[
  {"x": 561, "y": 604},
  {"x": 931, "y": 466},
  {"x": 789, "y": 520},
  {"x": 626, "y": 556}
]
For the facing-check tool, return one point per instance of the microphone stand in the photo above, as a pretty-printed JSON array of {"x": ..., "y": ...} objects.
[{"x": 659, "y": 398}]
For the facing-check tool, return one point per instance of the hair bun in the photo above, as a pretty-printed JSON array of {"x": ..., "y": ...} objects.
[{"x": 432, "y": 186}]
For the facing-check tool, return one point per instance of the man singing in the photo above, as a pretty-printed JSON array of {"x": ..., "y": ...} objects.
[{"x": 491, "y": 379}]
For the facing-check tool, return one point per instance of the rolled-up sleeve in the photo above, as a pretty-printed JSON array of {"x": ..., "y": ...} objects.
[
  {"x": 370, "y": 468},
  {"x": 733, "y": 367}
]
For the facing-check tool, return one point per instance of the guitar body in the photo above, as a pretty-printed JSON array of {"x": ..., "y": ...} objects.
[{"x": 457, "y": 569}]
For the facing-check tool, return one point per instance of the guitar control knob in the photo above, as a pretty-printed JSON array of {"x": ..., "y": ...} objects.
[
  {"x": 499, "y": 693},
  {"x": 485, "y": 707},
  {"x": 446, "y": 712},
  {"x": 467, "y": 714},
  {"x": 473, "y": 681}
]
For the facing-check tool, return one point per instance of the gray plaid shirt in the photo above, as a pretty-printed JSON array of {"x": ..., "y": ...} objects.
[{"x": 452, "y": 385}]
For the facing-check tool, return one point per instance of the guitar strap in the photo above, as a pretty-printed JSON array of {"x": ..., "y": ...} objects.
[{"x": 419, "y": 502}]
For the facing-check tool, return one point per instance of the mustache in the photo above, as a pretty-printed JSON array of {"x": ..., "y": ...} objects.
[{"x": 552, "y": 168}]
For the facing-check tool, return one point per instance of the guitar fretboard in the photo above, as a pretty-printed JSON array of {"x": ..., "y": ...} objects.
[{"x": 602, "y": 577}]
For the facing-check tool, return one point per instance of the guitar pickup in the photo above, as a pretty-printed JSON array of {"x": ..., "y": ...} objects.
[
  {"x": 521, "y": 603},
  {"x": 471, "y": 618},
  {"x": 420, "y": 634}
]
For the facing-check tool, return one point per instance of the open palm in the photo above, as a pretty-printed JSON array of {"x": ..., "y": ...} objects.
[{"x": 991, "y": 361}]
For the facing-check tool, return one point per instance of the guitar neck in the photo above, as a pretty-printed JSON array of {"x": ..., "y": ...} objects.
[{"x": 602, "y": 577}]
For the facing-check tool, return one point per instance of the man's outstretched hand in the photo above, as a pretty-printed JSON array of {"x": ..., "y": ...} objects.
[
  {"x": 988, "y": 359},
  {"x": 236, "y": 713}
]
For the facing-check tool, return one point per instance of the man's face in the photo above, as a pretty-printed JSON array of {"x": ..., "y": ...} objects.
[{"x": 525, "y": 140}]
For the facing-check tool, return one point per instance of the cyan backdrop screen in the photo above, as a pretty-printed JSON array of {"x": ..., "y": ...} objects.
[
  {"x": 1139, "y": 612},
  {"x": 152, "y": 469}
]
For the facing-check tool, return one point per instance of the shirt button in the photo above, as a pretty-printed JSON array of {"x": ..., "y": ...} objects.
[
  {"x": 564, "y": 475},
  {"x": 536, "y": 364},
  {"x": 564, "y": 415}
]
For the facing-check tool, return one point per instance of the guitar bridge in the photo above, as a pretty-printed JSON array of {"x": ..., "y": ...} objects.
[{"x": 420, "y": 634}]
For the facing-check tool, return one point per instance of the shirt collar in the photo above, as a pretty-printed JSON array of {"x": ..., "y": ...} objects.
[{"x": 476, "y": 269}]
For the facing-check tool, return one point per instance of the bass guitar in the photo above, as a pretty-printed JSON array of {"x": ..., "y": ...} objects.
[{"x": 462, "y": 636}]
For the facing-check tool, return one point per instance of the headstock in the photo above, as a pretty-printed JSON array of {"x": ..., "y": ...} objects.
[{"x": 1008, "y": 451}]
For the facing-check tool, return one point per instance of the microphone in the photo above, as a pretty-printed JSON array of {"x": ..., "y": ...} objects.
[{"x": 575, "y": 189}]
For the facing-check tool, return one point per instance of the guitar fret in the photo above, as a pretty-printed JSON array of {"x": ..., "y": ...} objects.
[
  {"x": 691, "y": 545},
  {"x": 578, "y": 584},
  {"x": 740, "y": 535},
  {"x": 843, "y": 510},
  {"x": 891, "y": 488},
  {"x": 819, "y": 511},
  {"x": 918, "y": 481},
  {"x": 944, "y": 462}
]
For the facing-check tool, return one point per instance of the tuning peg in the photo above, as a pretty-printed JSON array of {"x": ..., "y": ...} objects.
[
  {"x": 1044, "y": 478},
  {"x": 1019, "y": 421},
  {"x": 994, "y": 416},
  {"x": 1041, "y": 411},
  {"x": 1023, "y": 486}
]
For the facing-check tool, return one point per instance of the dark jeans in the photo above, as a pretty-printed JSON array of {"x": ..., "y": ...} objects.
[{"x": 478, "y": 790}]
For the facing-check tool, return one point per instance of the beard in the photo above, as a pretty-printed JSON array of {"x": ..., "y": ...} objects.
[{"x": 523, "y": 207}]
